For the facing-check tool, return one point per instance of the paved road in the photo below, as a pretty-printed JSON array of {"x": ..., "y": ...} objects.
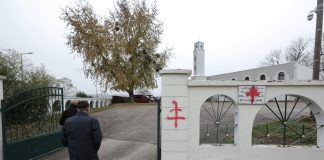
[{"x": 129, "y": 133}]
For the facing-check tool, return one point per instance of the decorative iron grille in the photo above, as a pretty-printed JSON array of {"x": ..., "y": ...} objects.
[
  {"x": 217, "y": 125},
  {"x": 285, "y": 121}
]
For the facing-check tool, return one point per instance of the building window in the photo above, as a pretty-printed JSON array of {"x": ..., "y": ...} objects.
[
  {"x": 233, "y": 79},
  {"x": 281, "y": 76},
  {"x": 247, "y": 78},
  {"x": 262, "y": 77},
  {"x": 195, "y": 68},
  {"x": 195, "y": 58}
]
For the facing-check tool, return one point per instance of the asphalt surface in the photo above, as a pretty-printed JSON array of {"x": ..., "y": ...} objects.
[{"x": 129, "y": 133}]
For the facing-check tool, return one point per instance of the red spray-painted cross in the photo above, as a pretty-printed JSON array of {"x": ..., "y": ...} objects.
[
  {"x": 253, "y": 92},
  {"x": 176, "y": 117}
]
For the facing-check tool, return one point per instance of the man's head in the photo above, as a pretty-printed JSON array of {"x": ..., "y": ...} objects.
[
  {"x": 83, "y": 106},
  {"x": 74, "y": 103}
]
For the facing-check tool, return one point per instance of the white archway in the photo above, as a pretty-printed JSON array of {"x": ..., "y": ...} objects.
[
  {"x": 217, "y": 120},
  {"x": 288, "y": 120}
]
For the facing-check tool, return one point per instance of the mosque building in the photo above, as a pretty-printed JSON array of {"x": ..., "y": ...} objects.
[{"x": 286, "y": 71}]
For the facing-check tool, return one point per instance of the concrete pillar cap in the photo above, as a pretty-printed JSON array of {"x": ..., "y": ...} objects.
[{"x": 176, "y": 71}]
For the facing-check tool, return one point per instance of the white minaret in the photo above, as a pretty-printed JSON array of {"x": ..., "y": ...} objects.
[{"x": 199, "y": 60}]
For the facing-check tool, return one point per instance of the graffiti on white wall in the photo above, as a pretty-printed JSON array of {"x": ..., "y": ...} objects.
[
  {"x": 176, "y": 116},
  {"x": 251, "y": 94}
]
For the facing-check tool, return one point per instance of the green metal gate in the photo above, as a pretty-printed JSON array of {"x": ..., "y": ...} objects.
[
  {"x": 30, "y": 123},
  {"x": 158, "y": 129}
]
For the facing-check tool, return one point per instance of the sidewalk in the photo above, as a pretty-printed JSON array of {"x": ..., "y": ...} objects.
[{"x": 112, "y": 149}]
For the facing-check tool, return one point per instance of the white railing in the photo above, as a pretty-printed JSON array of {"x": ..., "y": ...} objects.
[{"x": 94, "y": 102}]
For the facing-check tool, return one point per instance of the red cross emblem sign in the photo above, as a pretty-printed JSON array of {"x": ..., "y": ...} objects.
[
  {"x": 176, "y": 111},
  {"x": 251, "y": 94}
]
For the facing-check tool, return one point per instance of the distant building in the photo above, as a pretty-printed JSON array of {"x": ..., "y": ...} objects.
[{"x": 287, "y": 71}]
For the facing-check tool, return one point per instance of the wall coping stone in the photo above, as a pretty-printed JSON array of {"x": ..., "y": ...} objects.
[
  {"x": 176, "y": 71},
  {"x": 227, "y": 83}
]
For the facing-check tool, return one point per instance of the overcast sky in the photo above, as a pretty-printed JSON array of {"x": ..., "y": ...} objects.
[{"x": 237, "y": 34}]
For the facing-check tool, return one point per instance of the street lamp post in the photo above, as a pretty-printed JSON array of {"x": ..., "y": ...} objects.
[
  {"x": 21, "y": 64},
  {"x": 318, "y": 37}
]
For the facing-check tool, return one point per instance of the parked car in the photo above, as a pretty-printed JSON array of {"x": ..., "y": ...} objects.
[
  {"x": 141, "y": 99},
  {"x": 158, "y": 99},
  {"x": 152, "y": 98}
]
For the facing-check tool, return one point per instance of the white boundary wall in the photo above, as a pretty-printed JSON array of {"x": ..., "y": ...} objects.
[{"x": 182, "y": 142}]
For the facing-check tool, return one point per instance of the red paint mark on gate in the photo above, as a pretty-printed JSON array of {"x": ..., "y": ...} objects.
[
  {"x": 176, "y": 117},
  {"x": 253, "y": 92}
]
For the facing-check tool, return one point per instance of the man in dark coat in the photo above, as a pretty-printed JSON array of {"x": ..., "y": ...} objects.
[
  {"x": 71, "y": 111},
  {"x": 82, "y": 134}
]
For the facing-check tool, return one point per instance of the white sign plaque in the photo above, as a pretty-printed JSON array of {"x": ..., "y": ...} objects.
[{"x": 251, "y": 94}]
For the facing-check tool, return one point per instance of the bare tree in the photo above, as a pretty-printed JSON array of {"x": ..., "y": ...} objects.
[
  {"x": 300, "y": 50},
  {"x": 67, "y": 86},
  {"x": 274, "y": 58}
]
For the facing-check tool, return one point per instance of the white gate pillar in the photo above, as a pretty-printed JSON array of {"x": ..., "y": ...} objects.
[
  {"x": 174, "y": 114},
  {"x": 1, "y": 97}
]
